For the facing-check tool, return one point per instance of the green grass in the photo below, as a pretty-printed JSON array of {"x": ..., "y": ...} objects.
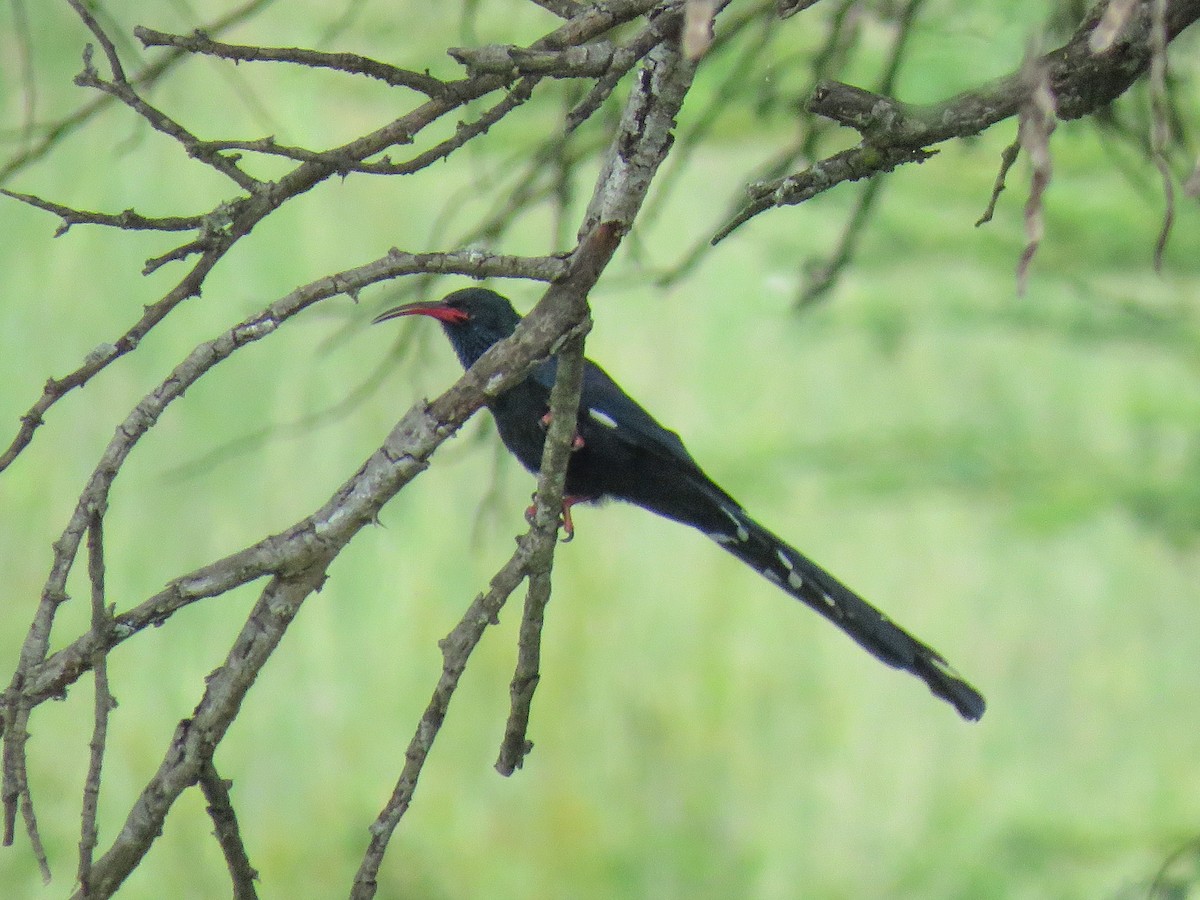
[{"x": 1013, "y": 478}]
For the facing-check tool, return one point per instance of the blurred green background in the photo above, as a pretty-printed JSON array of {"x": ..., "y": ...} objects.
[{"x": 1014, "y": 478}]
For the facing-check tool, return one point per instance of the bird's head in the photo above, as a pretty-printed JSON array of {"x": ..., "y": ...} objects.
[{"x": 473, "y": 319}]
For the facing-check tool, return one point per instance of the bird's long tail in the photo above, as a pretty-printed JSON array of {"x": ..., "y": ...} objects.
[{"x": 809, "y": 583}]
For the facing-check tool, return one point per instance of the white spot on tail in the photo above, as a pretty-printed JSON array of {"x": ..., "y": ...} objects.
[
  {"x": 795, "y": 582},
  {"x": 721, "y": 538},
  {"x": 602, "y": 417},
  {"x": 772, "y": 575},
  {"x": 944, "y": 667},
  {"x": 742, "y": 534},
  {"x": 787, "y": 563}
]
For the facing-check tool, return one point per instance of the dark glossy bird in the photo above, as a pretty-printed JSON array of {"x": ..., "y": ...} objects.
[{"x": 620, "y": 452}]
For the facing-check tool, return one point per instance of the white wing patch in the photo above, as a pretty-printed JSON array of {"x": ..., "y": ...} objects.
[{"x": 599, "y": 415}]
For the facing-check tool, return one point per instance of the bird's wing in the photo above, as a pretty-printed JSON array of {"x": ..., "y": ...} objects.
[{"x": 602, "y": 400}]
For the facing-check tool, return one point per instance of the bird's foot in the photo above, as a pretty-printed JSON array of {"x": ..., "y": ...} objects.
[
  {"x": 568, "y": 526},
  {"x": 576, "y": 440}
]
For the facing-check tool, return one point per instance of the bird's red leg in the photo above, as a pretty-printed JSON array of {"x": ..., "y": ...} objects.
[
  {"x": 576, "y": 441},
  {"x": 568, "y": 526}
]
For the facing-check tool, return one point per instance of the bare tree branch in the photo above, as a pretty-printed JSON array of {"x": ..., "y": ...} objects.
[
  {"x": 595, "y": 47},
  {"x": 568, "y": 300},
  {"x": 44, "y": 680},
  {"x": 1037, "y": 123},
  {"x": 564, "y": 407},
  {"x": 635, "y": 155},
  {"x": 585, "y": 61},
  {"x": 895, "y": 133},
  {"x": 192, "y": 746},
  {"x": 146, "y": 77},
  {"x": 225, "y": 828},
  {"x": 120, "y": 88},
  {"x": 823, "y": 274},
  {"x": 232, "y": 220},
  {"x": 456, "y": 650},
  {"x": 103, "y": 702},
  {"x": 199, "y": 42},
  {"x": 129, "y": 220},
  {"x": 1007, "y": 158}
]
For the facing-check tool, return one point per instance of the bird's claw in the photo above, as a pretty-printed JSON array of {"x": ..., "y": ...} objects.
[
  {"x": 576, "y": 440},
  {"x": 568, "y": 526}
]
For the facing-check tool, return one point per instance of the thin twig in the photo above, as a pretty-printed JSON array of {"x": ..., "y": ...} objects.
[
  {"x": 227, "y": 832},
  {"x": 641, "y": 145},
  {"x": 629, "y": 56},
  {"x": 824, "y": 275},
  {"x": 853, "y": 164},
  {"x": 1160, "y": 127},
  {"x": 556, "y": 454},
  {"x": 1007, "y": 158},
  {"x": 567, "y": 301},
  {"x": 160, "y": 121},
  {"x": 103, "y": 355},
  {"x": 103, "y": 702},
  {"x": 120, "y": 88},
  {"x": 146, "y": 77},
  {"x": 106, "y": 44},
  {"x": 126, "y": 221},
  {"x": 839, "y": 38},
  {"x": 196, "y": 737},
  {"x": 895, "y": 133},
  {"x": 233, "y": 220},
  {"x": 42, "y": 681},
  {"x": 466, "y": 131},
  {"x": 456, "y": 650},
  {"x": 200, "y": 43},
  {"x": 1037, "y": 123}
]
